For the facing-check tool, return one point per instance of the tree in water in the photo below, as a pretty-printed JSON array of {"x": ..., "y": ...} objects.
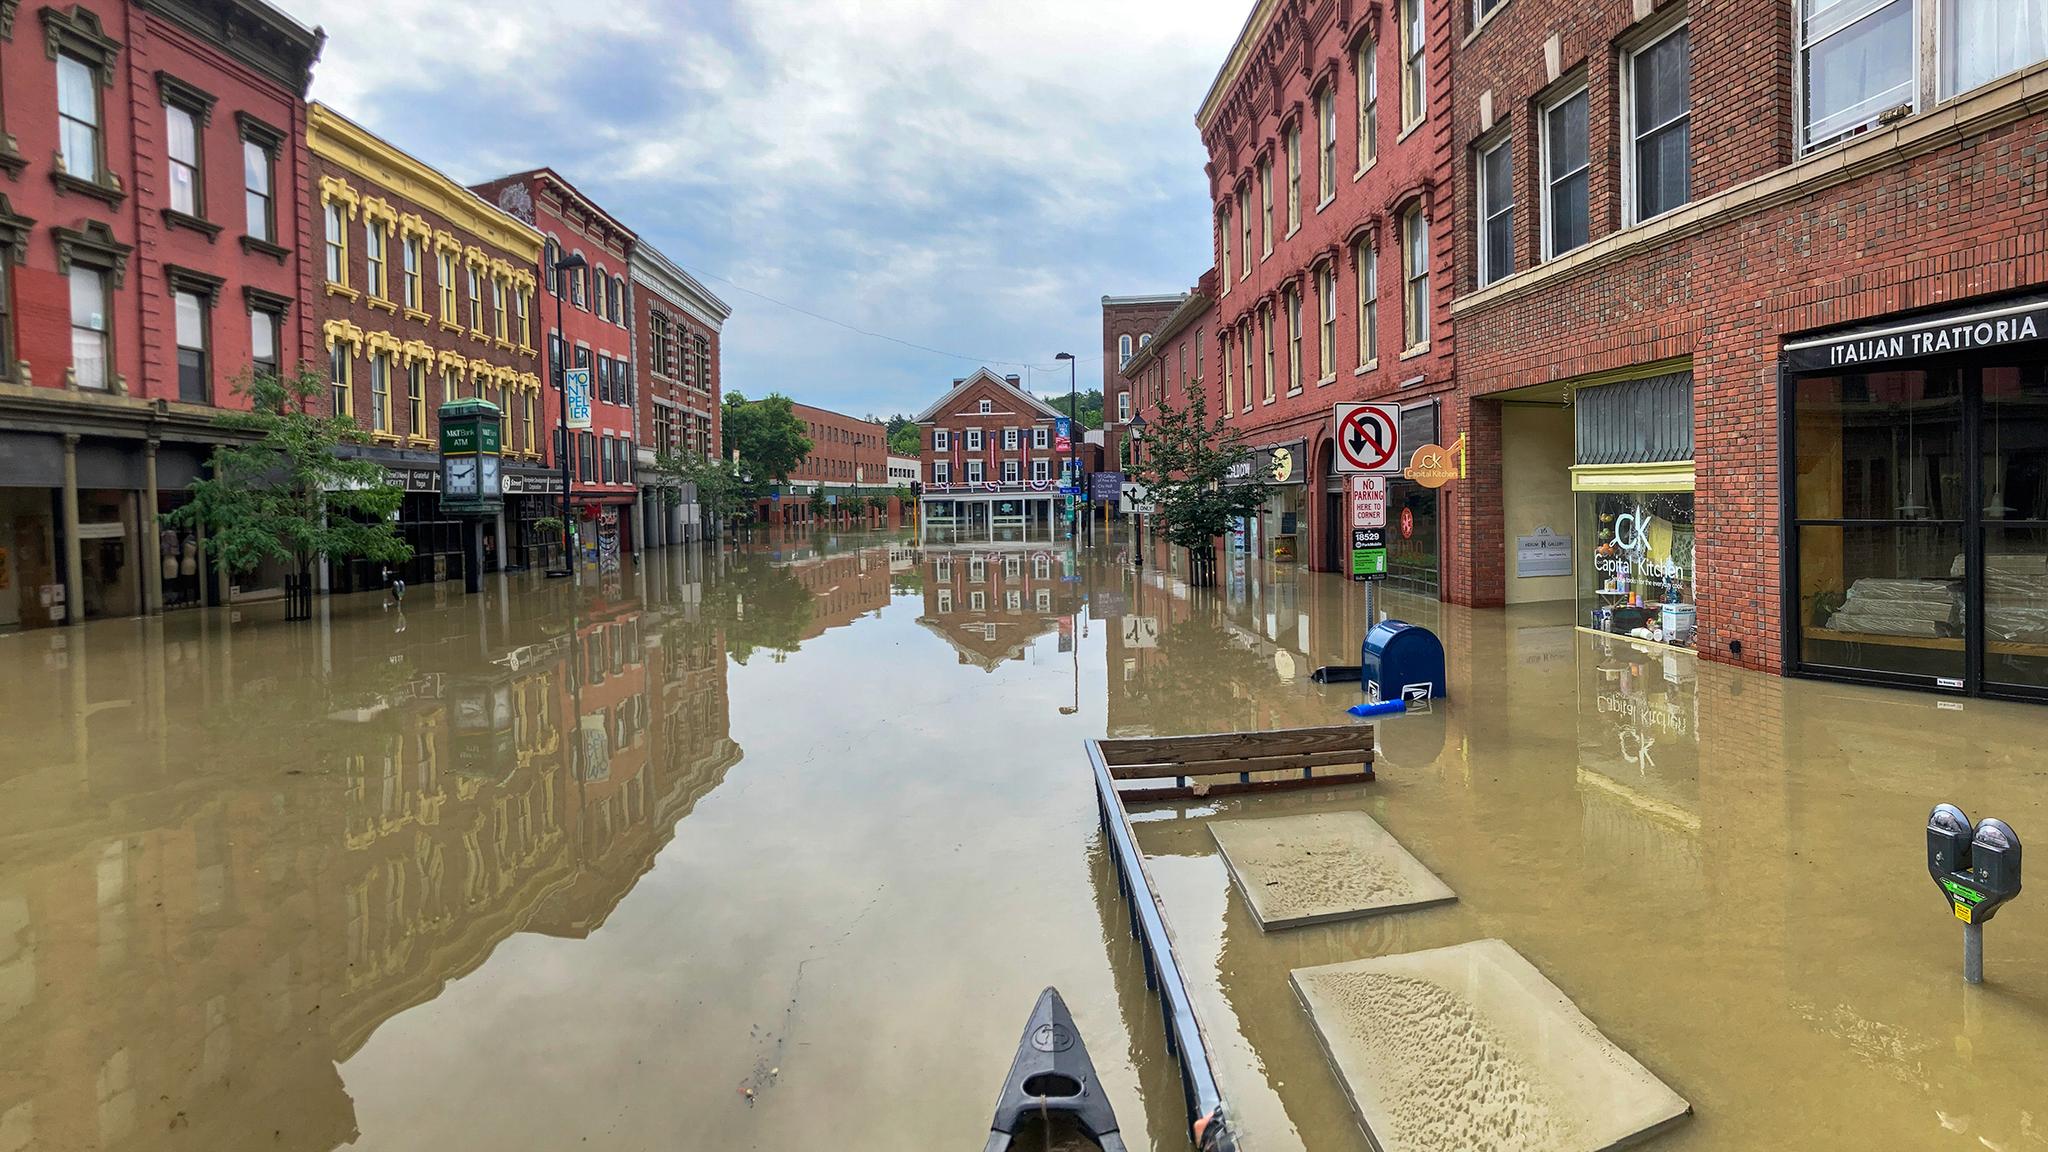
[
  {"x": 1201, "y": 477},
  {"x": 722, "y": 492},
  {"x": 282, "y": 492},
  {"x": 768, "y": 435}
]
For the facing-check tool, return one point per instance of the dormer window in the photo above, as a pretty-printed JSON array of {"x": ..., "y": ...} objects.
[{"x": 986, "y": 407}]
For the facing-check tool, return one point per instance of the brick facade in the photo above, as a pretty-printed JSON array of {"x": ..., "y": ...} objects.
[
  {"x": 1298, "y": 69},
  {"x": 1128, "y": 324},
  {"x": 676, "y": 323},
  {"x": 847, "y": 452}
]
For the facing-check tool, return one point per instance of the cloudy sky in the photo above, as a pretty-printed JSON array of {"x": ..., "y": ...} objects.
[{"x": 967, "y": 175}]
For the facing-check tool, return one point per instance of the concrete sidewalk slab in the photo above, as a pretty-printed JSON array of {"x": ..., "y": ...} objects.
[
  {"x": 1323, "y": 866},
  {"x": 1471, "y": 1048}
]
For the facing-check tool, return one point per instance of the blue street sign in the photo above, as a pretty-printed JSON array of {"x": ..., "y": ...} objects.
[
  {"x": 576, "y": 396},
  {"x": 1061, "y": 427}
]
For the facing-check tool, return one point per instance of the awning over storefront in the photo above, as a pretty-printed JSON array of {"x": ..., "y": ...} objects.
[
  {"x": 1284, "y": 463},
  {"x": 1674, "y": 476}
]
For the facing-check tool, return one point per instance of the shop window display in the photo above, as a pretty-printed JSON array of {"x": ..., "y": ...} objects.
[{"x": 1638, "y": 580}]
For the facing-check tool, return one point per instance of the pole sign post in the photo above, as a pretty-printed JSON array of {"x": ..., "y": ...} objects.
[
  {"x": 1977, "y": 870},
  {"x": 576, "y": 397},
  {"x": 1368, "y": 438},
  {"x": 1368, "y": 501},
  {"x": 1369, "y": 553}
]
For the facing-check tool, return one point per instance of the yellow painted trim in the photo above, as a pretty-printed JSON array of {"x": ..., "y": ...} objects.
[
  {"x": 446, "y": 241},
  {"x": 1676, "y": 476},
  {"x": 376, "y": 208},
  {"x": 341, "y": 332},
  {"x": 376, "y": 301},
  {"x": 411, "y": 224},
  {"x": 334, "y": 136},
  {"x": 416, "y": 314},
  {"x": 335, "y": 190},
  {"x": 413, "y": 350},
  {"x": 343, "y": 290}
]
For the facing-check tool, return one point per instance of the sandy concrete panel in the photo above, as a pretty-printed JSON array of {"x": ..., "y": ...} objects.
[
  {"x": 1470, "y": 1048},
  {"x": 1296, "y": 870}
]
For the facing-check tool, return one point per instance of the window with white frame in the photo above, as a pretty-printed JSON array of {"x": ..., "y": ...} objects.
[
  {"x": 1043, "y": 598},
  {"x": 1496, "y": 211},
  {"x": 1123, "y": 407},
  {"x": 974, "y": 439},
  {"x": 1326, "y": 326},
  {"x": 91, "y": 333},
  {"x": 1123, "y": 349},
  {"x": 1414, "y": 73},
  {"x": 1326, "y": 118},
  {"x": 1856, "y": 60},
  {"x": 1266, "y": 205},
  {"x": 1013, "y": 600},
  {"x": 1266, "y": 329},
  {"x": 1367, "y": 260},
  {"x": 945, "y": 600},
  {"x": 1041, "y": 436},
  {"x": 1041, "y": 470},
  {"x": 1480, "y": 9},
  {"x": 977, "y": 602},
  {"x": 1144, "y": 339},
  {"x": 1293, "y": 178},
  {"x": 1985, "y": 39},
  {"x": 1657, "y": 159},
  {"x": 1566, "y": 205},
  {"x": 974, "y": 472},
  {"x": 1009, "y": 471},
  {"x": 942, "y": 440},
  {"x": 1244, "y": 340},
  {"x": 1223, "y": 244},
  {"x": 1244, "y": 216},
  {"x": 942, "y": 472},
  {"x": 1009, "y": 439},
  {"x": 986, "y": 407},
  {"x": 1415, "y": 276},
  {"x": 1368, "y": 101},
  {"x": 1293, "y": 300}
]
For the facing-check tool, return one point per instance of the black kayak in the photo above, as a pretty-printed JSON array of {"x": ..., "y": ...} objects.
[{"x": 1052, "y": 1085}]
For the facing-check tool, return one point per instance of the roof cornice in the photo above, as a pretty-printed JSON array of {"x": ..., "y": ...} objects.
[
  {"x": 1233, "y": 64},
  {"x": 335, "y": 137},
  {"x": 657, "y": 271}
]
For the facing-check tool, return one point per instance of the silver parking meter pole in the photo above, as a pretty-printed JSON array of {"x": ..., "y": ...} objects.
[
  {"x": 1977, "y": 869},
  {"x": 1973, "y": 953}
]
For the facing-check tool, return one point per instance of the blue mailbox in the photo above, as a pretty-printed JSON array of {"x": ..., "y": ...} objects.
[{"x": 1400, "y": 661}]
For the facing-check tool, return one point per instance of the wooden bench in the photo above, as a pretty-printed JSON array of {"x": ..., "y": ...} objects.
[{"x": 1229, "y": 762}]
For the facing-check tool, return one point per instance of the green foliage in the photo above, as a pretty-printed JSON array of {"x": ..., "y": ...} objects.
[
  {"x": 1088, "y": 404},
  {"x": 284, "y": 494},
  {"x": 769, "y": 437},
  {"x": 721, "y": 489},
  {"x": 905, "y": 438},
  {"x": 1186, "y": 459}
]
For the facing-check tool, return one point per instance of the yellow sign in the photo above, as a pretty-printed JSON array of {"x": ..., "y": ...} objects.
[
  {"x": 1283, "y": 464},
  {"x": 1963, "y": 913},
  {"x": 1432, "y": 466}
]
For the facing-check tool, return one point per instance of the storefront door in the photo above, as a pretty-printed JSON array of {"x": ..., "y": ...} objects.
[{"x": 1920, "y": 521}]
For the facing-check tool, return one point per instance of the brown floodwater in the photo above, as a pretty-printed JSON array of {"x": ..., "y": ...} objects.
[{"x": 775, "y": 849}]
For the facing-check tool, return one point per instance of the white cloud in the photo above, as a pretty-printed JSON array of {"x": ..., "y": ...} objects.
[{"x": 969, "y": 176}]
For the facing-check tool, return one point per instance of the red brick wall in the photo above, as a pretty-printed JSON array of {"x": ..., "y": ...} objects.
[
  {"x": 1964, "y": 220},
  {"x": 840, "y": 445},
  {"x": 1007, "y": 409},
  {"x": 1298, "y": 52},
  {"x": 692, "y": 388}
]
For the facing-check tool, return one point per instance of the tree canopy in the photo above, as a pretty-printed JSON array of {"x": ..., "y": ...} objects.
[
  {"x": 905, "y": 437},
  {"x": 1201, "y": 476},
  {"x": 1088, "y": 403},
  {"x": 285, "y": 494},
  {"x": 768, "y": 435}
]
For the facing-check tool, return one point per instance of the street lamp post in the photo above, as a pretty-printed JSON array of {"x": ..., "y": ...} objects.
[
  {"x": 1073, "y": 441},
  {"x": 1137, "y": 427},
  {"x": 573, "y": 262}
]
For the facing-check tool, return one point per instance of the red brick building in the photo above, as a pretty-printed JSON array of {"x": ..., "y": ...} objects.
[
  {"x": 1758, "y": 324},
  {"x": 848, "y": 455},
  {"x": 1129, "y": 324},
  {"x": 991, "y": 461},
  {"x": 676, "y": 322},
  {"x": 1328, "y": 137},
  {"x": 427, "y": 295},
  {"x": 595, "y": 308},
  {"x": 152, "y": 247},
  {"x": 990, "y": 605}
]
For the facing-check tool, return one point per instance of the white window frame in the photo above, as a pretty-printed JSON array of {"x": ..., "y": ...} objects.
[
  {"x": 1246, "y": 338},
  {"x": 1928, "y": 20},
  {"x": 1368, "y": 102},
  {"x": 1041, "y": 470},
  {"x": 1410, "y": 311},
  {"x": 1013, "y": 600},
  {"x": 1293, "y": 178},
  {"x": 1223, "y": 244},
  {"x": 1410, "y": 52},
  {"x": 1244, "y": 214},
  {"x": 1265, "y": 206},
  {"x": 1291, "y": 297},
  {"x": 1010, "y": 439},
  {"x": 1368, "y": 258},
  {"x": 977, "y": 601},
  {"x": 985, "y": 407},
  {"x": 1123, "y": 349},
  {"x": 1629, "y": 136},
  {"x": 1043, "y": 598},
  {"x": 975, "y": 473},
  {"x": 1123, "y": 407},
  {"x": 942, "y": 440},
  {"x": 942, "y": 471},
  {"x": 945, "y": 601},
  {"x": 1482, "y": 186},
  {"x": 1326, "y": 321},
  {"x": 974, "y": 440},
  {"x": 1326, "y": 143},
  {"x": 1041, "y": 436},
  {"x": 1010, "y": 472},
  {"x": 1544, "y": 177}
]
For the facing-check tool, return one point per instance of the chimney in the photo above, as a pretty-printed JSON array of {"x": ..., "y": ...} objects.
[{"x": 1014, "y": 379}]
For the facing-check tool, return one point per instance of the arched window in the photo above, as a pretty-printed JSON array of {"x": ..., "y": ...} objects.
[
  {"x": 601, "y": 291},
  {"x": 1144, "y": 340},
  {"x": 1123, "y": 349},
  {"x": 577, "y": 279},
  {"x": 549, "y": 256},
  {"x": 616, "y": 299}
]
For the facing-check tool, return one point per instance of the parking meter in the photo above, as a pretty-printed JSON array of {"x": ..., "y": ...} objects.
[{"x": 1978, "y": 871}]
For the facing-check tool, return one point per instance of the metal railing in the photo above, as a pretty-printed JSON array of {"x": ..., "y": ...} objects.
[{"x": 1207, "y": 1122}]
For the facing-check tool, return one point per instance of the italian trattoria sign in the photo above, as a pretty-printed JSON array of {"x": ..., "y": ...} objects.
[{"x": 1934, "y": 336}]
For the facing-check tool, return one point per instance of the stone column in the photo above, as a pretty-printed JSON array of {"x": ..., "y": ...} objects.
[
  {"x": 74, "y": 579},
  {"x": 152, "y": 549}
]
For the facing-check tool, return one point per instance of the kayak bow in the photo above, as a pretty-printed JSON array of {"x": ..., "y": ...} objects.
[{"x": 1052, "y": 1078}]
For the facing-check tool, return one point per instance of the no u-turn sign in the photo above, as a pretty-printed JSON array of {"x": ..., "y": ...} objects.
[{"x": 1368, "y": 437}]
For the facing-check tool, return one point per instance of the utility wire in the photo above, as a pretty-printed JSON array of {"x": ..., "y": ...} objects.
[{"x": 859, "y": 331}]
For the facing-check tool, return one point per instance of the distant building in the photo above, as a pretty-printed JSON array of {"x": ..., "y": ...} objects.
[
  {"x": 1129, "y": 324},
  {"x": 903, "y": 471},
  {"x": 990, "y": 607},
  {"x": 991, "y": 461},
  {"x": 676, "y": 323},
  {"x": 848, "y": 455}
]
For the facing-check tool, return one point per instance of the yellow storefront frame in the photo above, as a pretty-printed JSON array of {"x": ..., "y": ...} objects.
[{"x": 1675, "y": 476}]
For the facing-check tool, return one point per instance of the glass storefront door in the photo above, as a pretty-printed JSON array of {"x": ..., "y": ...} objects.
[{"x": 1920, "y": 522}]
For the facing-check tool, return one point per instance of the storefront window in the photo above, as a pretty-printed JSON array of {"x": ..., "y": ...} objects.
[{"x": 1636, "y": 578}]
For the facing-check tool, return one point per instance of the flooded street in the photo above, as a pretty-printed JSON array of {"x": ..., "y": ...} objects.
[{"x": 774, "y": 849}]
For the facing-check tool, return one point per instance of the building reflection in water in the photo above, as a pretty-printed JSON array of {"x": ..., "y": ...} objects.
[
  {"x": 229, "y": 853},
  {"x": 991, "y": 602}
]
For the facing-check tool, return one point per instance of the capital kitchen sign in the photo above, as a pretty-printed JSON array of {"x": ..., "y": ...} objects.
[{"x": 1934, "y": 336}]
